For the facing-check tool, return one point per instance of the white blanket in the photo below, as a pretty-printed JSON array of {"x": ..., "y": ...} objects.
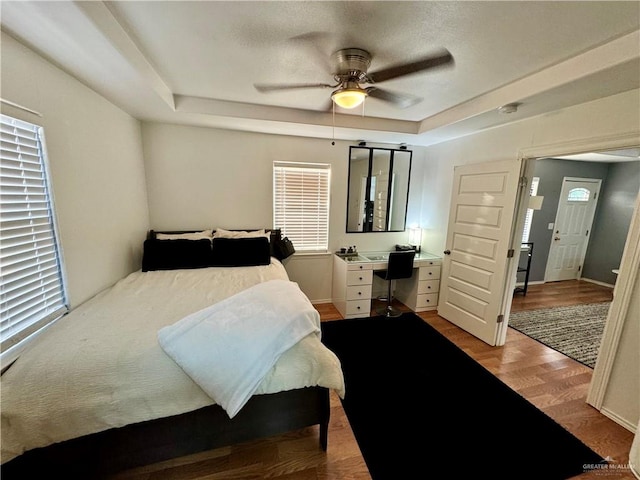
[{"x": 229, "y": 347}]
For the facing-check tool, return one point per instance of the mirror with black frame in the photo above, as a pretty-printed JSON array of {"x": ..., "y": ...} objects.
[{"x": 378, "y": 189}]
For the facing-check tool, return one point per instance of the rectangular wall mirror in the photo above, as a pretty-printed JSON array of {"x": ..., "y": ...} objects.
[{"x": 378, "y": 190}]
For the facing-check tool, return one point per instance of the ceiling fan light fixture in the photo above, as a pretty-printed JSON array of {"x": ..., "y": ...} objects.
[{"x": 349, "y": 97}]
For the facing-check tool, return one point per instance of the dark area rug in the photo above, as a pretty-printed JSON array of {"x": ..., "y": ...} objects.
[
  {"x": 574, "y": 330},
  {"x": 422, "y": 408}
]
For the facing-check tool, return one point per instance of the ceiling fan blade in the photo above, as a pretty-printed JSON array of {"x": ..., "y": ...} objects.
[
  {"x": 401, "y": 100},
  {"x": 272, "y": 87},
  {"x": 432, "y": 61},
  {"x": 313, "y": 42}
]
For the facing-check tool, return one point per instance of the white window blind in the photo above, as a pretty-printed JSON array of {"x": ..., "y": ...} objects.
[
  {"x": 31, "y": 291},
  {"x": 529, "y": 218},
  {"x": 301, "y": 203}
]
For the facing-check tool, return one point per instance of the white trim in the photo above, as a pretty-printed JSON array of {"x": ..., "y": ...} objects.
[
  {"x": 587, "y": 145},
  {"x": 536, "y": 282},
  {"x": 622, "y": 294},
  {"x": 305, "y": 253},
  {"x": 619, "y": 420},
  {"x": 321, "y": 301},
  {"x": 20, "y": 107},
  {"x": 597, "y": 282}
]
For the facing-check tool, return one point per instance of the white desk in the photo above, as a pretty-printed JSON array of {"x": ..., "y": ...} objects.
[{"x": 353, "y": 281}]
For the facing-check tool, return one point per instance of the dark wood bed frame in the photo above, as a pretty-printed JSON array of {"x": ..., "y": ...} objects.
[
  {"x": 114, "y": 450},
  {"x": 118, "y": 449}
]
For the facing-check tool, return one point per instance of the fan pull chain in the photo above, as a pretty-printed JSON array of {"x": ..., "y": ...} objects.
[{"x": 333, "y": 123}]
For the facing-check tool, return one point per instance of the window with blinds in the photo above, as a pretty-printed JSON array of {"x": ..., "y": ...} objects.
[
  {"x": 301, "y": 204},
  {"x": 529, "y": 217},
  {"x": 32, "y": 290}
]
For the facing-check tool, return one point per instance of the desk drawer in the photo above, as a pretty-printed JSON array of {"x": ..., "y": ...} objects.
[
  {"x": 359, "y": 307},
  {"x": 359, "y": 292},
  {"x": 427, "y": 300},
  {"x": 428, "y": 286},
  {"x": 429, "y": 273},
  {"x": 359, "y": 277},
  {"x": 359, "y": 266}
]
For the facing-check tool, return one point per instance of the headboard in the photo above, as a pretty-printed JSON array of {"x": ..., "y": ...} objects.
[
  {"x": 276, "y": 233},
  {"x": 206, "y": 251}
]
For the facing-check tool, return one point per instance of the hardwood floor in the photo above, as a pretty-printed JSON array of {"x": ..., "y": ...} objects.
[
  {"x": 553, "y": 382},
  {"x": 560, "y": 294}
]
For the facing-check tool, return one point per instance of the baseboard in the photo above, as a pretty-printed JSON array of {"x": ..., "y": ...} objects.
[
  {"x": 597, "y": 282},
  {"x": 619, "y": 420},
  {"x": 537, "y": 282},
  {"x": 321, "y": 300}
]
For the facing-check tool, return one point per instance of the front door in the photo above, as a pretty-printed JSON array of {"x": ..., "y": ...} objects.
[
  {"x": 572, "y": 228},
  {"x": 475, "y": 264}
]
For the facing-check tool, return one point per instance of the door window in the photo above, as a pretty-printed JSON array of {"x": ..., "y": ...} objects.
[{"x": 578, "y": 195}]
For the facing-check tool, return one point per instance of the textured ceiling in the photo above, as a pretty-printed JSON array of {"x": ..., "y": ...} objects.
[{"x": 196, "y": 62}]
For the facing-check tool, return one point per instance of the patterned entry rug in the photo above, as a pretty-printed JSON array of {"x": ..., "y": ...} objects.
[{"x": 575, "y": 330}]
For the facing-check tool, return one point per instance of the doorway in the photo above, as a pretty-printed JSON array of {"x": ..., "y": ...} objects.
[
  {"x": 580, "y": 235},
  {"x": 612, "y": 214}
]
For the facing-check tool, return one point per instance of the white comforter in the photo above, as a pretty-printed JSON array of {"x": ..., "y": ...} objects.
[{"x": 101, "y": 366}]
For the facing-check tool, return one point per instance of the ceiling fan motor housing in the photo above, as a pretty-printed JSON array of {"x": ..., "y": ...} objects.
[{"x": 352, "y": 62}]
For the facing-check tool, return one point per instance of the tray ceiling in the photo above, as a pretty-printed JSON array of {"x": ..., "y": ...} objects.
[{"x": 197, "y": 62}]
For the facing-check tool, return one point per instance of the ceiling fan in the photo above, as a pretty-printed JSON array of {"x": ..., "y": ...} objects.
[{"x": 354, "y": 83}]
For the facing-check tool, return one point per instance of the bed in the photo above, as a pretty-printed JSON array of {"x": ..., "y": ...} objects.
[{"x": 98, "y": 392}]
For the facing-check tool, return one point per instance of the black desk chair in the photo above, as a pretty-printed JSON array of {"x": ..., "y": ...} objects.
[{"x": 400, "y": 266}]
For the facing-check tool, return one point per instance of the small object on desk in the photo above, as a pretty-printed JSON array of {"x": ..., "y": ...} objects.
[{"x": 347, "y": 252}]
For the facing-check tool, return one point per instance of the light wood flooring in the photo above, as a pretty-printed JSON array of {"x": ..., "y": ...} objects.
[{"x": 553, "y": 382}]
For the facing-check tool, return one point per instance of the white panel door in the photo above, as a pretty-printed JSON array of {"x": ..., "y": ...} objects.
[
  {"x": 572, "y": 228},
  {"x": 474, "y": 272}
]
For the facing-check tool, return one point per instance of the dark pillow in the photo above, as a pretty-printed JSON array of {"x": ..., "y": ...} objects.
[
  {"x": 241, "y": 252},
  {"x": 175, "y": 254}
]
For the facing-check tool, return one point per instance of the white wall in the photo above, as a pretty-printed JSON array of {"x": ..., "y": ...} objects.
[
  {"x": 96, "y": 169},
  {"x": 608, "y": 117},
  {"x": 204, "y": 177}
]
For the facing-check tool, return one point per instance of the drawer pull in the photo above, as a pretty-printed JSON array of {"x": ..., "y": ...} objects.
[
  {"x": 429, "y": 287},
  {"x": 358, "y": 307},
  {"x": 360, "y": 278},
  {"x": 360, "y": 267},
  {"x": 428, "y": 300},
  {"x": 430, "y": 273},
  {"x": 359, "y": 293}
]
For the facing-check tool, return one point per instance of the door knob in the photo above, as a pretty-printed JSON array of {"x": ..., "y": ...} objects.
[
  {"x": 556, "y": 238},
  {"x": 447, "y": 252}
]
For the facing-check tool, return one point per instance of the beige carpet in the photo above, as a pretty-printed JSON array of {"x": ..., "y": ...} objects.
[{"x": 575, "y": 331}]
